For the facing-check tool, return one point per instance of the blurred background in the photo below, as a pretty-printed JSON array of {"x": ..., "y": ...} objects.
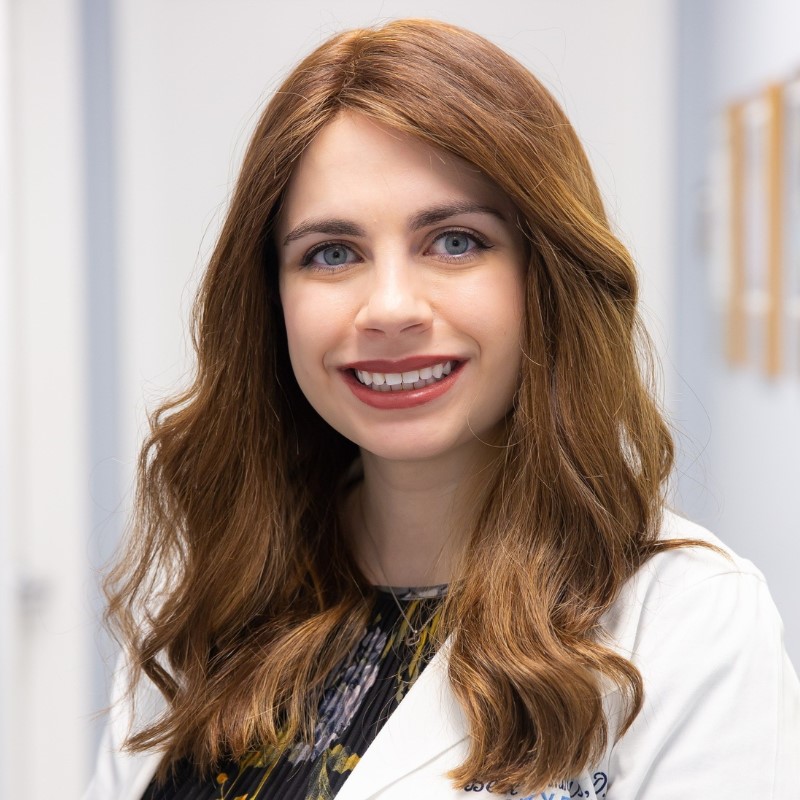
[{"x": 122, "y": 124}]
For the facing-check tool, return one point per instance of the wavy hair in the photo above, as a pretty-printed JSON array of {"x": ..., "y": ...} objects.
[{"x": 237, "y": 594}]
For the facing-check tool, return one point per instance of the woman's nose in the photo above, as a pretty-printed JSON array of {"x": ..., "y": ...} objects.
[{"x": 396, "y": 301}]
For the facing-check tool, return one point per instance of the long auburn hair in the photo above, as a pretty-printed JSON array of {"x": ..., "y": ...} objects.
[{"x": 237, "y": 594}]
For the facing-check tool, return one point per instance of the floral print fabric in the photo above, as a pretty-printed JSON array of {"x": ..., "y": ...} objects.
[{"x": 366, "y": 689}]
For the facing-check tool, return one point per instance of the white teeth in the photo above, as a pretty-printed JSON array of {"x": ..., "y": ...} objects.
[{"x": 403, "y": 381}]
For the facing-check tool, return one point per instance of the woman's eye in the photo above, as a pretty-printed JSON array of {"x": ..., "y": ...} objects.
[
  {"x": 331, "y": 255},
  {"x": 456, "y": 243}
]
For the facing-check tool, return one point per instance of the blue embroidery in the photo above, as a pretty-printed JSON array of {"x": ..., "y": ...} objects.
[
  {"x": 564, "y": 791},
  {"x": 600, "y": 783}
]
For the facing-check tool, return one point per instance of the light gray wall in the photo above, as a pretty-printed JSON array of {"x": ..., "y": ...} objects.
[
  {"x": 741, "y": 453},
  {"x": 43, "y": 377},
  {"x": 95, "y": 19},
  {"x": 7, "y": 592}
]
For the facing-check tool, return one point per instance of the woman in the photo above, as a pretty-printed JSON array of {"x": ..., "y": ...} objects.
[{"x": 405, "y": 534}]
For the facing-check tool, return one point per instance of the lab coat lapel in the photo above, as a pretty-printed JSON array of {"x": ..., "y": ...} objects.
[{"x": 428, "y": 721}]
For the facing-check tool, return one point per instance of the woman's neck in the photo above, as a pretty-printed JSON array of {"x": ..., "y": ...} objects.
[{"x": 409, "y": 521}]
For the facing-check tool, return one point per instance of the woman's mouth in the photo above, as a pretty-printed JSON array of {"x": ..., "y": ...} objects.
[
  {"x": 404, "y": 381},
  {"x": 426, "y": 380}
]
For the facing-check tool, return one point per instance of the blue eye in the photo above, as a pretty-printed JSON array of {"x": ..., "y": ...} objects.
[
  {"x": 334, "y": 255},
  {"x": 329, "y": 255},
  {"x": 456, "y": 244}
]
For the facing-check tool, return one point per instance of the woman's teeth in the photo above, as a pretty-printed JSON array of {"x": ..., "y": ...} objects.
[{"x": 403, "y": 381}]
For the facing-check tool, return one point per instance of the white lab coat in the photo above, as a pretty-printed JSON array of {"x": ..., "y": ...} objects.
[{"x": 721, "y": 716}]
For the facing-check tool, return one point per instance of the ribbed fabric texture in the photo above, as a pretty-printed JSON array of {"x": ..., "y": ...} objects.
[{"x": 366, "y": 689}]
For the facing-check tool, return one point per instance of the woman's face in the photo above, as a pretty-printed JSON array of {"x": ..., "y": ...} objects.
[{"x": 402, "y": 279}]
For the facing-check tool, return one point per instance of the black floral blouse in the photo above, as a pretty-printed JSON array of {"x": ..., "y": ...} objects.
[{"x": 368, "y": 687}]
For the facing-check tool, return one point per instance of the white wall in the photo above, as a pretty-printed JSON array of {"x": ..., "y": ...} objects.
[
  {"x": 742, "y": 469},
  {"x": 45, "y": 498},
  {"x": 7, "y": 570}
]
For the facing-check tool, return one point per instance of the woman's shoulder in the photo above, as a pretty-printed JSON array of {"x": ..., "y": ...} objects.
[
  {"x": 721, "y": 698},
  {"x": 709, "y": 558},
  {"x": 701, "y": 571}
]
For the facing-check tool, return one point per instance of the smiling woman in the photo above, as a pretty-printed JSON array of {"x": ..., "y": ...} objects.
[
  {"x": 405, "y": 535},
  {"x": 428, "y": 274}
]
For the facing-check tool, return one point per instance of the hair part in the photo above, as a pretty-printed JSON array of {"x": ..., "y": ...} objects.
[{"x": 237, "y": 594}]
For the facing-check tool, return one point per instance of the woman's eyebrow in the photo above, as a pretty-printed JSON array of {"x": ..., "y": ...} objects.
[
  {"x": 422, "y": 219},
  {"x": 330, "y": 227},
  {"x": 439, "y": 213}
]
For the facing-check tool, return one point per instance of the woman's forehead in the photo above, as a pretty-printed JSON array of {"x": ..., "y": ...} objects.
[{"x": 361, "y": 165}]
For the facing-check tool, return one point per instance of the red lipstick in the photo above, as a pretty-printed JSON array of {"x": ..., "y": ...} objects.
[{"x": 404, "y": 398}]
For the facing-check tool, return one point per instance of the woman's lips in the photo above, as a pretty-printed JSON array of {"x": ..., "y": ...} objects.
[{"x": 385, "y": 389}]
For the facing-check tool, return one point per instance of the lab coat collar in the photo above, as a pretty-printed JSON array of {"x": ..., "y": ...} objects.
[{"x": 426, "y": 723}]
